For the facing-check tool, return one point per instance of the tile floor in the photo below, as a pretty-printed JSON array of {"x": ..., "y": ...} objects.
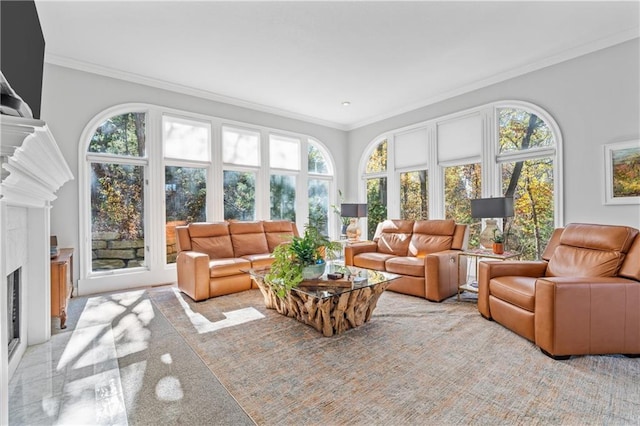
[{"x": 120, "y": 362}]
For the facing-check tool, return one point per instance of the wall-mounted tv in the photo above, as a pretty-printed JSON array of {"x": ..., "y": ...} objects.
[{"x": 21, "y": 57}]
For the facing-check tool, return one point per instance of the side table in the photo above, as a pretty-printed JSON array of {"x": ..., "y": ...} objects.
[
  {"x": 476, "y": 254},
  {"x": 61, "y": 284}
]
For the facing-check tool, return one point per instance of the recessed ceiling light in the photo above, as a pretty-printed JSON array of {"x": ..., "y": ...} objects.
[{"x": 346, "y": 103}]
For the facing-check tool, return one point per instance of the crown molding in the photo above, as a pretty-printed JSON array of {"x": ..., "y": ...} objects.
[
  {"x": 564, "y": 56},
  {"x": 67, "y": 62}
]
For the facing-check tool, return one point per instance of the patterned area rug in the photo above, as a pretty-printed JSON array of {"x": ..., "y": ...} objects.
[{"x": 415, "y": 362}]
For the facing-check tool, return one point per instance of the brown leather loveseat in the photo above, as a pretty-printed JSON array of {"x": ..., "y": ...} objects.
[
  {"x": 423, "y": 252},
  {"x": 582, "y": 298},
  {"x": 212, "y": 257}
]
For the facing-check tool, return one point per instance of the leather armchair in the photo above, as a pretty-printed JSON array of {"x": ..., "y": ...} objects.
[{"x": 582, "y": 298}]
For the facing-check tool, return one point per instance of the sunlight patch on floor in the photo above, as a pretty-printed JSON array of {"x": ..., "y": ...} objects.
[{"x": 233, "y": 318}]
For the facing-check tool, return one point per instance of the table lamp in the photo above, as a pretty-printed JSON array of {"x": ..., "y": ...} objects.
[
  {"x": 353, "y": 211},
  {"x": 491, "y": 208}
]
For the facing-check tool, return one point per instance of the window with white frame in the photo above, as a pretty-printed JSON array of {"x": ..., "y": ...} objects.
[
  {"x": 284, "y": 164},
  {"x": 146, "y": 169},
  {"x": 117, "y": 167},
  {"x": 241, "y": 158},
  {"x": 498, "y": 149},
  {"x": 187, "y": 152}
]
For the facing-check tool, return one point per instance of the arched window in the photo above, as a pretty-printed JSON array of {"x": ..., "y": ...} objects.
[
  {"x": 118, "y": 165},
  {"x": 435, "y": 168},
  {"x": 144, "y": 170},
  {"x": 526, "y": 152}
]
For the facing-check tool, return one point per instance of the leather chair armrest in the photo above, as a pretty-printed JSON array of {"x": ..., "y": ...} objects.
[
  {"x": 593, "y": 315},
  {"x": 193, "y": 274},
  {"x": 491, "y": 269},
  {"x": 351, "y": 250},
  {"x": 442, "y": 274}
]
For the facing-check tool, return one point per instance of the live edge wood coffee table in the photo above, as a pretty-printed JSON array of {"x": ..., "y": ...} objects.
[{"x": 329, "y": 306}]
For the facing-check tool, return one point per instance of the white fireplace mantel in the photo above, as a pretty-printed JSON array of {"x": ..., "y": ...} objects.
[
  {"x": 35, "y": 166},
  {"x": 33, "y": 169}
]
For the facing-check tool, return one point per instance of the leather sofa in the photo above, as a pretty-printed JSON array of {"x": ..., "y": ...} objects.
[
  {"x": 423, "y": 252},
  {"x": 213, "y": 257},
  {"x": 582, "y": 298}
]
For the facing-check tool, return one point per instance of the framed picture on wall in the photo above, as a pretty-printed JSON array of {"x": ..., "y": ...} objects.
[{"x": 622, "y": 172}]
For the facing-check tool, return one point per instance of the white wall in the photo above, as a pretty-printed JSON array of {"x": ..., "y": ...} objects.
[
  {"x": 71, "y": 98},
  {"x": 594, "y": 98}
]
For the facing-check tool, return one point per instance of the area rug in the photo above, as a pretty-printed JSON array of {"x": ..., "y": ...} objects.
[{"x": 415, "y": 362}]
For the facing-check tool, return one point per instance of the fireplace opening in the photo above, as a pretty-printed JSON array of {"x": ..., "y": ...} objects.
[{"x": 13, "y": 309}]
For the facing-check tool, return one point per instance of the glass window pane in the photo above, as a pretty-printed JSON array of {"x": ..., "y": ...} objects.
[
  {"x": 186, "y": 139},
  {"x": 283, "y": 197},
  {"x": 529, "y": 230},
  {"x": 414, "y": 200},
  {"x": 185, "y": 190},
  {"x": 461, "y": 185},
  {"x": 519, "y": 129},
  {"x": 239, "y": 195},
  {"x": 240, "y": 146},
  {"x": 378, "y": 158},
  {"x": 319, "y": 204},
  {"x": 121, "y": 135},
  {"x": 284, "y": 152},
  {"x": 117, "y": 216},
  {"x": 376, "y": 204},
  {"x": 317, "y": 161}
]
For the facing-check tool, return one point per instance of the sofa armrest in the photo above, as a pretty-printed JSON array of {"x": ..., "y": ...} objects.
[
  {"x": 193, "y": 274},
  {"x": 597, "y": 315},
  {"x": 491, "y": 269},
  {"x": 442, "y": 274},
  {"x": 351, "y": 250}
]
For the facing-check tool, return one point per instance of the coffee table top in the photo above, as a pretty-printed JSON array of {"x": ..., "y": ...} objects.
[{"x": 323, "y": 287}]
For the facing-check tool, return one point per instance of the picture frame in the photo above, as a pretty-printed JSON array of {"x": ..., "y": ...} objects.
[{"x": 622, "y": 173}]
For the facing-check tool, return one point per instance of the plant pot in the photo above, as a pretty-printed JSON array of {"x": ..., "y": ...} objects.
[
  {"x": 498, "y": 248},
  {"x": 313, "y": 272}
]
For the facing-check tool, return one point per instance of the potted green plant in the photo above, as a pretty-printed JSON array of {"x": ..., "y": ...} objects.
[
  {"x": 498, "y": 241},
  {"x": 301, "y": 259}
]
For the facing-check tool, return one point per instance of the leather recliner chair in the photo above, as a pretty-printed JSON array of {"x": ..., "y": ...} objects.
[{"x": 582, "y": 298}]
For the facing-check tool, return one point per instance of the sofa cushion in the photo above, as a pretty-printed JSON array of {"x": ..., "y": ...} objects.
[
  {"x": 371, "y": 260},
  {"x": 395, "y": 235},
  {"x": 588, "y": 250},
  {"x": 631, "y": 266},
  {"x": 278, "y": 232},
  {"x": 406, "y": 265},
  {"x": 212, "y": 239},
  {"x": 516, "y": 290},
  {"x": 259, "y": 261},
  {"x": 570, "y": 261},
  {"x": 225, "y": 267},
  {"x": 248, "y": 238}
]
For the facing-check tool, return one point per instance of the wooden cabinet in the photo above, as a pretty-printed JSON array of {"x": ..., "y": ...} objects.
[{"x": 61, "y": 284}]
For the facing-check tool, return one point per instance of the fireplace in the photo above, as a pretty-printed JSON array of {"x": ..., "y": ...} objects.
[
  {"x": 33, "y": 169},
  {"x": 13, "y": 309}
]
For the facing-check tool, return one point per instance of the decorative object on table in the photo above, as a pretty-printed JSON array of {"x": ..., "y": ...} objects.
[
  {"x": 53, "y": 246},
  {"x": 353, "y": 211},
  {"x": 498, "y": 241},
  {"x": 622, "y": 173},
  {"x": 301, "y": 259},
  {"x": 490, "y": 209}
]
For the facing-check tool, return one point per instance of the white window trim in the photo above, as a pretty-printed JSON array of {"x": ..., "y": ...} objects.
[
  {"x": 156, "y": 270},
  {"x": 489, "y": 159}
]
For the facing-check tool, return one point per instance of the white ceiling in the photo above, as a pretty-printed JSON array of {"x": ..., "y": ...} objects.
[{"x": 302, "y": 59}]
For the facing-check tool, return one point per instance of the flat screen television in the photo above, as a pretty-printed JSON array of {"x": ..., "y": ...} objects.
[{"x": 21, "y": 57}]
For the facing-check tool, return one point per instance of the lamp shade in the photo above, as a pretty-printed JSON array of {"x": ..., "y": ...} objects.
[
  {"x": 492, "y": 207},
  {"x": 353, "y": 210}
]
